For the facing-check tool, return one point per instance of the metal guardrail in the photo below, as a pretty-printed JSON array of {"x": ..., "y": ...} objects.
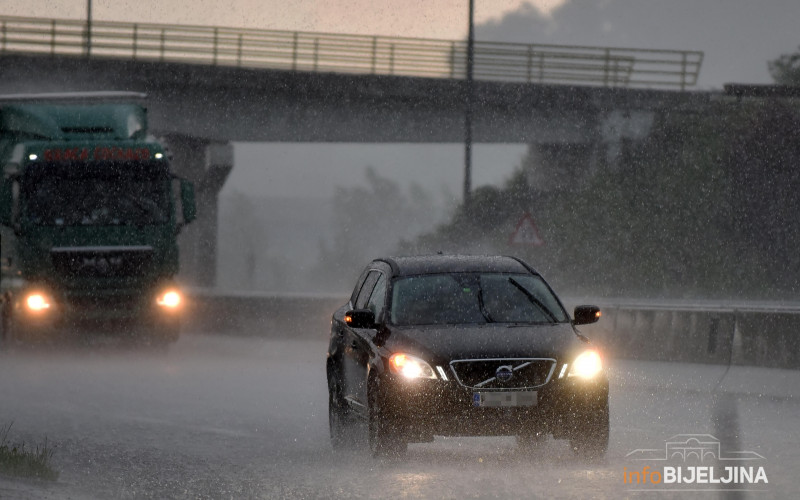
[
  {"x": 699, "y": 306},
  {"x": 328, "y": 52},
  {"x": 757, "y": 333},
  {"x": 627, "y": 303}
]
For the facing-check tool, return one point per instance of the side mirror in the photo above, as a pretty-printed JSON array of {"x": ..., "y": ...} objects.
[
  {"x": 360, "y": 318},
  {"x": 187, "y": 201},
  {"x": 7, "y": 202},
  {"x": 585, "y": 315}
]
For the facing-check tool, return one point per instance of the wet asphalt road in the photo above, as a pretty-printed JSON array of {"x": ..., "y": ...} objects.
[{"x": 220, "y": 417}]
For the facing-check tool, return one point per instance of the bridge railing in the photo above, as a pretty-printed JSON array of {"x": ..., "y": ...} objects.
[{"x": 328, "y": 52}]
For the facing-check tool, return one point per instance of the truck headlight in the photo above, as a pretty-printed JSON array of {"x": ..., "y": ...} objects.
[
  {"x": 410, "y": 367},
  {"x": 586, "y": 365},
  {"x": 171, "y": 299},
  {"x": 37, "y": 301}
]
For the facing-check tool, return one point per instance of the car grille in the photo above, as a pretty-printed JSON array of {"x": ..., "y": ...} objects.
[
  {"x": 101, "y": 262},
  {"x": 526, "y": 373}
]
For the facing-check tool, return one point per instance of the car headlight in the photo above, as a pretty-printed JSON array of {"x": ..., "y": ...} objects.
[
  {"x": 37, "y": 302},
  {"x": 587, "y": 365},
  {"x": 170, "y": 299},
  {"x": 410, "y": 367}
]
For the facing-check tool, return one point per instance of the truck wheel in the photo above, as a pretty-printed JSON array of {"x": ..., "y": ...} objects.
[
  {"x": 12, "y": 333},
  {"x": 162, "y": 335},
  {"x": 386, "y": 439},
  {"x": 4, "y": 337},
  {"x": 590, "y": 437}
]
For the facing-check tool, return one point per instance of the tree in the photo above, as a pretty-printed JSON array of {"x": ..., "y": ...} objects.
[
  {"x": 660, "y": 221},
  {"x": 785, "y": 70},
  {"x": 370, "y": 221}
]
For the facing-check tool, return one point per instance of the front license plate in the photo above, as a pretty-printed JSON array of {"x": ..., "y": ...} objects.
[{"x": 501, "y": 399}]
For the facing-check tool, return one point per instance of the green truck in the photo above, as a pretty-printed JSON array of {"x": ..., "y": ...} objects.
[{"x": 91, "y": 214}]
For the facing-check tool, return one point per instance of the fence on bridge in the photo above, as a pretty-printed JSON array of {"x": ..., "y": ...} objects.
[{"x": 327, "y": 52}]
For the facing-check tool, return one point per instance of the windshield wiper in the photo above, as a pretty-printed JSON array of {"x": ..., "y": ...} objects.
[
  {"x": 482, "y": 306},
  {"x": 533, "y": 299}
]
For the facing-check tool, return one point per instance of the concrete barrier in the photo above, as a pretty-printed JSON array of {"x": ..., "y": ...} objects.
[
  {"x": 304, "y": 316},
  {"x": 754, "y": 334}
]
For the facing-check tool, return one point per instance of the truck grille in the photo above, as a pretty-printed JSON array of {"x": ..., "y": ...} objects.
[
  {"x": 105, "y": 303},
  {"x": 101, "y": 262},
  {"x": 525, "y": 373}
]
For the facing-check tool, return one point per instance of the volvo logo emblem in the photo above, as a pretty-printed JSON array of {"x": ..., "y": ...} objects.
[{"x": 504, "y": 373}]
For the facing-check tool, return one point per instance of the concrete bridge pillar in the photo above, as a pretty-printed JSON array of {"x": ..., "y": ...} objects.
[
  {"x": 207, "y": 164},
  {"x": 568, "y": 162}
]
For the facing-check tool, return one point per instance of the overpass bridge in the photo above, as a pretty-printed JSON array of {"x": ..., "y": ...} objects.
[{"x": 210, "y": 86}]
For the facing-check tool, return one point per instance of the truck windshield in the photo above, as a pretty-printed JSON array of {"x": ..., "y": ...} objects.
[{"x": 98, "y": 194}]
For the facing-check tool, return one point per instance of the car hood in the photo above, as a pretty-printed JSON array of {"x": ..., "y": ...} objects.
[{"x": 444, "y": 344}]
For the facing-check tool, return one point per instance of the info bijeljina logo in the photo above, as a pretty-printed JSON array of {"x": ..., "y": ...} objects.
[{"x": 695, "y": 462}]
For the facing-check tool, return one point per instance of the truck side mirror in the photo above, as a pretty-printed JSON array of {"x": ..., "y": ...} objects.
[
  {"x": 7, "y": 202},
  {"x": 187, "y": 201}
]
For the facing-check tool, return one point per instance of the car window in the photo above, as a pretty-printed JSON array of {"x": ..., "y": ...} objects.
[
  {"x": 366, "y": 290},
  {"x": 519, "y": 299},
  {"x": 378, "y": 298},
  {"x": 359, "y": 286},
  {"x": 433, "y": 299},
  {"x": 470, "y": 298}
]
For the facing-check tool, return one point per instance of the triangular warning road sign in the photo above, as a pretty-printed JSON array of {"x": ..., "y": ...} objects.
[{"x": 526, "y": 233}]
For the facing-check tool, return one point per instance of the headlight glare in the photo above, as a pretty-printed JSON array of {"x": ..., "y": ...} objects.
[
  {"x": 587, "y": 365},
  {"x": 37, "y": 302},
  {"x": 169, "y": 299},
  {"x": 410, "y": 367}
]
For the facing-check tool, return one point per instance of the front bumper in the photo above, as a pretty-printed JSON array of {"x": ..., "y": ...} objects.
[
  {"x": 423, "y": 408},
  {"x": 90, "y": 309}
]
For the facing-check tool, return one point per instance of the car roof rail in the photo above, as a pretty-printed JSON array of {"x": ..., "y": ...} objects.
[
  {"x": 392, "y": 264},
  {"x": 524, "y": 264}
]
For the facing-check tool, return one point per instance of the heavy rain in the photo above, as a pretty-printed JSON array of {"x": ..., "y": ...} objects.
[{"x": 191, "y": 192}]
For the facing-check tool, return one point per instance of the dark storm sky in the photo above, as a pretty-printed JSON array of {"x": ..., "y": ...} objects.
[{"x": 738, "y": 37}]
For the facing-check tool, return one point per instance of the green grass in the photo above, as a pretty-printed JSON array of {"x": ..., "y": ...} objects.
[{"x": 18, "y": 460}]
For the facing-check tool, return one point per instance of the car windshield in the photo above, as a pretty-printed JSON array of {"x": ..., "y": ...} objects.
[
  {"x": 474, "y": 298},
  {"x": 108, "y": 195}
]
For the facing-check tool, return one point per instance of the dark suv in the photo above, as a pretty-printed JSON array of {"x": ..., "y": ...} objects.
[{"x": 462, "y": 345}]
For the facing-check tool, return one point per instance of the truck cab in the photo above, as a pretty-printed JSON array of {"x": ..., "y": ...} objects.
[{"x": 91, "y": 213}]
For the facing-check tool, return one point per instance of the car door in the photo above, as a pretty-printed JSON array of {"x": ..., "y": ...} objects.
[
  {"x": 353, "y": 345},
  {"x": 364, "y": 349},
  {"x": 336, "y": 344}
]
